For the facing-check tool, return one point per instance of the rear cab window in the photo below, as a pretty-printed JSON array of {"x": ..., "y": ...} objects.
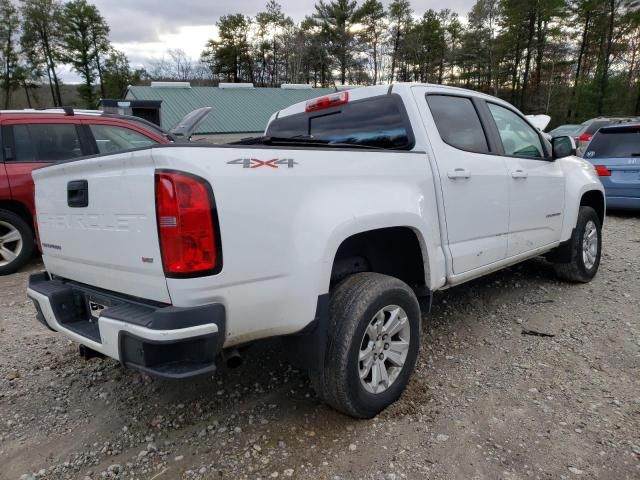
[
  {"x": 380, "y": 122},
  {"x": 458, "y": 122},
  {"x": 615, "y": 142}
]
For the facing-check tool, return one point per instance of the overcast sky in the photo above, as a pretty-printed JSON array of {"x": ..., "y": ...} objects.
[{"x": 146, "y": 29}]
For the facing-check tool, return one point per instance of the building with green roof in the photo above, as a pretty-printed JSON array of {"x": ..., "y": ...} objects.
[{"x": 238, "y": 110}]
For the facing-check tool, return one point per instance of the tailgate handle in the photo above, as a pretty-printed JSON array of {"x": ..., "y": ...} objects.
[{"x": 78, "y": 194}]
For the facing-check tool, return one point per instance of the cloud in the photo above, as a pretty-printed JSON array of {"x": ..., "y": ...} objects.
[
  {"x": 461, "y": 7},
  {"x": 148, "y": 20},
  {"x": 191, "y": 39}
]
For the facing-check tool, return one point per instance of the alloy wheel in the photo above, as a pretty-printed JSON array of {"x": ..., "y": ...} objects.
[
  {"x": 590, "y": 245},
  {"x": 10, "y": 243},
  {"x": 384, "y": 348}
]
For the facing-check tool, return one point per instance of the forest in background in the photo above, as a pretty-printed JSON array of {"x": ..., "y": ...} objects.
[{"x": 572, "y": 59}]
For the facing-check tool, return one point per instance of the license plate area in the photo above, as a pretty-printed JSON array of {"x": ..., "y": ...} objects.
[
  {"x": 76, "y": 312},
  {"x": 82, "y": 311},
  {"x": 96, "y": 306},
  {"x": 79, "y": 308},
  {"x": 95, "y": 310}
]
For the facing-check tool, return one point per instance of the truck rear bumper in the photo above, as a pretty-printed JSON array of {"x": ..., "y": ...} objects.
[{"x": 160, "y": 340}]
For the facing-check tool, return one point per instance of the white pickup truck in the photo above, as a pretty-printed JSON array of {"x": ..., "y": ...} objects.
[{"x": 325, "y": 231}]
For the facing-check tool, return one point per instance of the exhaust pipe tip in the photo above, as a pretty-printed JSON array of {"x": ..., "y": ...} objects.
[{"x": 232, "y": 358}]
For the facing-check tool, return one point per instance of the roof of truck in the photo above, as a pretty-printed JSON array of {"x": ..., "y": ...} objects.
[{"x": 374, "y": 90}]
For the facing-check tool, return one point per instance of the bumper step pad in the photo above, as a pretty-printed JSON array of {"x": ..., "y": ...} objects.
[{"x": 69, "y": 306}]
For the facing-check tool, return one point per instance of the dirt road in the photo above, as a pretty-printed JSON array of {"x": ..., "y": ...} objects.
[{"x": 486, "y": 401}]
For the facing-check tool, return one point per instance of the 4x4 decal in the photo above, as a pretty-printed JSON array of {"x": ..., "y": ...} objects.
[{"x": 255, "y": 163}]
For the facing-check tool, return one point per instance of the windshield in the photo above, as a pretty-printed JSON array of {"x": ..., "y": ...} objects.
[
  {"x": 565, "y": 130},
  {"x": 619, "y": 142},
  {"x": 146, "y": 125},
  {"x": 593, "y": 127},
  {"x": 374, "y": 122}
]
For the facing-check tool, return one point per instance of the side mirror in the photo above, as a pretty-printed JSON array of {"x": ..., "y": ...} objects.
[{"x": 563, "y": 147}]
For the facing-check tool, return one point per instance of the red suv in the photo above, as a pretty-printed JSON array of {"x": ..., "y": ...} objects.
[{"x": 32, "y": 138}]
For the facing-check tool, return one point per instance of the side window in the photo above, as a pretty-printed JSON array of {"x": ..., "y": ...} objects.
[
  {"x": 112, "y": 139},
  {"x": 458, "y": 122},
  {"x": 46, "y": 142},
  {"x": 519, "y": 139}
]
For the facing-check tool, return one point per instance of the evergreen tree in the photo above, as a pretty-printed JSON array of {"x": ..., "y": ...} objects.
[
  {"x": 84, "y": 39},
  {"x": 336, "y": 19},
  {"x": 41, "y": 38},
  {"x": 8, "y": 52}
]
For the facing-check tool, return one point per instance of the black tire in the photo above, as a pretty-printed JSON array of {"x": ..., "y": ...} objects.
[
  {"x": 352, "y": 307},
  {"x": 9, "y": 220},
  {"x": 576, "y": 270}
]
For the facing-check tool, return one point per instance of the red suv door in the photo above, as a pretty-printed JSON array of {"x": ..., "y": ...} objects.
[
  {"x": 29, "y": 142},
  {"x": 5, "y": 192},
  {"x": 34, "y": 144}
]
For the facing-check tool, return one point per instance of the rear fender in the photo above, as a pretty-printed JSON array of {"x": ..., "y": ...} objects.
[{"x": 368, "y": 210}]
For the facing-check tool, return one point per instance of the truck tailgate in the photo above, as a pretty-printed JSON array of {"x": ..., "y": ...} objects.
[{"x": 112, "y": 241}]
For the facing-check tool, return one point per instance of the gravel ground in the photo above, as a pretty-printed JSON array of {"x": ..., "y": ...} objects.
[{"x": 485, "y": 402}]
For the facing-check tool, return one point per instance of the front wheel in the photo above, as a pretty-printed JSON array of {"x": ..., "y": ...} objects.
[
  {"x": 373, "y": 343},
  {"x": 586, "y": 247}
]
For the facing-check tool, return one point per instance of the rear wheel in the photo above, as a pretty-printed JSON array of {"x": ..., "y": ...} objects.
[
  {"x": 586, "y": 247},
  {"x": 373, "y": 344},
  {"x": 16, "y": 242}
]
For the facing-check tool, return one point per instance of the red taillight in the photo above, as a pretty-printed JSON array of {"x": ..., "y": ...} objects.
[
  {"x": 184, "y": 209},
  {"x": 327, "y": 101},
  {"x": 603, "y": 171},
  {"x": 585, "y": 137}
]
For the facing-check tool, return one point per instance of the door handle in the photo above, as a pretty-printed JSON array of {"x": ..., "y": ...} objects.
[
  {"x": 519, "y": 174},
  {"x": 459, "y": 173}
]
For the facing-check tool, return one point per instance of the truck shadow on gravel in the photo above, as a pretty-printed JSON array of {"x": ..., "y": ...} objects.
[
  {"x": 473, "y": 307},
  {"x": 266, "y": 381},
  {"x": 265, "y": 400}
]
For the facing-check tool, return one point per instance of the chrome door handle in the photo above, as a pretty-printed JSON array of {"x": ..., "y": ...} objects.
[
  {"x": 459, "y": 173},
  {"x": 519, "y": 174}
]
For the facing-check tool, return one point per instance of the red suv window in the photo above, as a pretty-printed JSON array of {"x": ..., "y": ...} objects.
[
  {"x": 46, "y": 142},
  {"x": 113, "y": 138}
]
